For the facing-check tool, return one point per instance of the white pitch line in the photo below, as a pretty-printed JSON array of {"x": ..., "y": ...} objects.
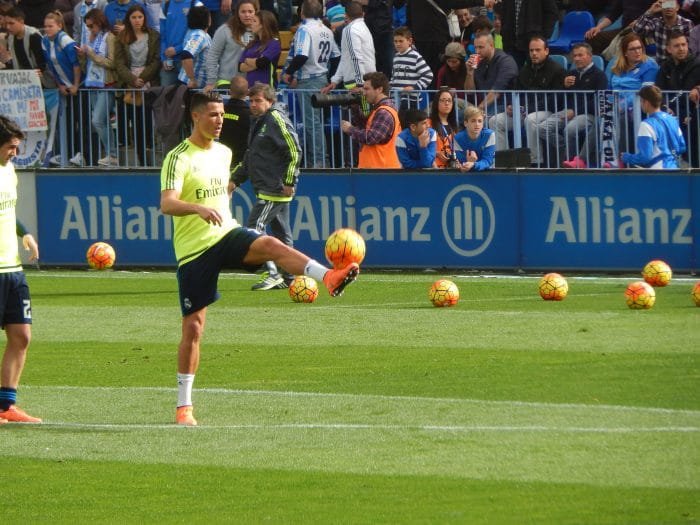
[
  {"x": 362, "y": 426},
  {"x": 235, "y": 392}
]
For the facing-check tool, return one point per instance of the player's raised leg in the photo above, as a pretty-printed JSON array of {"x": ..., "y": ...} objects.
[{"x": 269, "y": 248}]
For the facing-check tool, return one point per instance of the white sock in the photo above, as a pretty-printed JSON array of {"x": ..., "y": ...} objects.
[
  {"x": 315, "y": 270},
  {"x": 184, "y": 389}
]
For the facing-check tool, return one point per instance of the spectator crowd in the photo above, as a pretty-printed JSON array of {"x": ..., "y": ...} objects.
[{"x": 439, "y": 83}]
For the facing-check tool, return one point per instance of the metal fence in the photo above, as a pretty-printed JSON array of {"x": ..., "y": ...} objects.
[{"x": 116, "y": 128}]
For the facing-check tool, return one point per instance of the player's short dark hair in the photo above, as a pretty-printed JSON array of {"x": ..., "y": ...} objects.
[
  {"x": 404, "y": 32},
  {"x": 266, "y": 90},
  {"x": 353, "y": 10},
  {"x": 15, "y": 12},
  {"x": 481, "y": 23},
  {"x": 651, "y": 94},
  {"x": 312, "y": 9},
  {"x": 198, "y": 17},
  {"x": 199, "y": 101},
  {"x": 377, "y": 80},
  {"x": 9, "y": 130},
  {"x": 414, "y": 116}
]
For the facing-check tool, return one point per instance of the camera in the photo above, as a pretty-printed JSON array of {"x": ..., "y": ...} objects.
[{"x": 318, "y": 100}]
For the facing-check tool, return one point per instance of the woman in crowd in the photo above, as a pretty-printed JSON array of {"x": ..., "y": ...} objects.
[
  {"x": 137, "y": 65},
  {"x": 259, "y": 59},
  {"x": 475, "y": 146},
  {"x": 62, "y": 58},
  {"x": 228, "y": 43},
  {"x": 443, "y": 119},
  {"x": 632, "y": 70},
  {"x": 98, "y": 50},
  {"x": 454, "y": 71},
  {"x": 195, "y": 48}
]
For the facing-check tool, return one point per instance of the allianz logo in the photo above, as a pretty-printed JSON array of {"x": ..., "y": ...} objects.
[{"x": 468, "y": 220}]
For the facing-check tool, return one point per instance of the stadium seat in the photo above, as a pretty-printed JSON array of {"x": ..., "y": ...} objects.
[
  {"x": 286, "y": 39},
  {"x": 560, "y": 59},
  {"x": 572, "y": 30},
  {"x": 599, "y": 62}
]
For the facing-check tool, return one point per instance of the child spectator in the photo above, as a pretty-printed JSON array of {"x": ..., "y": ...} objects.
[
  {"x": 410, "y": 72},
  {"x": 416, "y": 144},
  {"x": 195, "y": 48},
  {"x": 475, "y": 146},
  {"x": 483, "y": 26}
]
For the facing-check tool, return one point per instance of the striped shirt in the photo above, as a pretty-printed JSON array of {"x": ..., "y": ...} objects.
[
  {"x": 410, "y": 70},
  {"x": 654, "y": 26},
  {"x": 196, "y": 46}
]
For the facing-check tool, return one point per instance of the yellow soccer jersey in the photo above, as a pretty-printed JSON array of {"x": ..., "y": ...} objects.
[
  {"x": 201, "y": 176},
  {"x": 9, "y": 254}
]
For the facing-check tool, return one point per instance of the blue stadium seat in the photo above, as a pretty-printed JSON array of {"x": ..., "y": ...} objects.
[
  {"x": 561, "y": 59},
  {"x": 599, "y": 62},
  {"x": 572, "y": 30}
]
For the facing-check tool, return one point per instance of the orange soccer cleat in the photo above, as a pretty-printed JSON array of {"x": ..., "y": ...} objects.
[
  {"x": 15, "y": 414},
  {"x": 184, "y": 416},
  {"x": 337, "y": 280}
]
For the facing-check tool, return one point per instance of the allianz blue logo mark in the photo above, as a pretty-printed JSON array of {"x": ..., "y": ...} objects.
[{"x": 468, "y": 220}]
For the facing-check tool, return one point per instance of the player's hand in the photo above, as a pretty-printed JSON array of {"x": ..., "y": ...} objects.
[
  {"x": 210, "y": 215},
  {"x": 408, "y": 88},
  {"x": 287, "y": 78},
  {"x": 208, "y": 88},
  {"x": 472, "y": 157},
  {"x": 442, "y": 156},
  {"x": 31, "y": 246},
  {"x": 694, "y": 95},
  {"x": 169, "y": 52},
  {"x": 345, "y": 126},
  {"x": 424, "y": 138},
  {"x": 593, "y": 31},
  {"x": 288, "y": 191},
  {"x": 192, "y": 84},
  {"x": 231, "y": 187},
  {"x": 655, "y": 8},
  {"x": 466, "y": 166},
  {"x": 569, "y": 81},
  {"x": 328, "y": 88},
  {"x": 73, "y": 90}
]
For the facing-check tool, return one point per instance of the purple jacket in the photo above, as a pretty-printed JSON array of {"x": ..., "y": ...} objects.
[{"x": 267, "y": 62}]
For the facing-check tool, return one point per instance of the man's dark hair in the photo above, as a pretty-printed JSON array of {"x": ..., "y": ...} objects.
[
  {"x": 377, "y": 80},
  {"x": 481, "y": 23},
  {"x": 676, "y": 33},
  {"x": 312, "y": 9},
  {"x": 199, "y": 101},
  {"x": 266, "y": 90},
  {"x": 539, "y": 37},
  {"x": 414, "y": 116},
  {"x": 651, "y": 94},
  {"x": 9, "y": 130},
  {"x": 584, "y": 45},
  {"x": 354, "y": 10},
  {"x": 198, "y": 18},
  {"x": 16, "y": 13}
]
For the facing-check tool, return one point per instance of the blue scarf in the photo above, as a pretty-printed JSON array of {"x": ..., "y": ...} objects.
[{"x": 96, "y": 74}]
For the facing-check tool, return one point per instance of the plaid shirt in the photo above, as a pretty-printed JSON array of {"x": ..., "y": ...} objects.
[
  {"x": 382, "y": 125},
  {"x": 653, "y": 26}
]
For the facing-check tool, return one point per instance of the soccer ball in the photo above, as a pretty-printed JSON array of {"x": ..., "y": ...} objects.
[
  {"x": 303, "y": 289},
  {"x": 443, "y": 293},
  {"x": 695, "y": 294},
  {"x": 640, "y": 295},
  {"x": 100, "y": 256},
  {"x": 345, "y": 246},
  {"x": 657, "y": 273},
  {"x": 553, "y": 287}
]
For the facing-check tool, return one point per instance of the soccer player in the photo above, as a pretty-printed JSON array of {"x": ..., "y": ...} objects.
[
  {"x": 195, "y": 190},
  {"x": 15, "y": 303}
]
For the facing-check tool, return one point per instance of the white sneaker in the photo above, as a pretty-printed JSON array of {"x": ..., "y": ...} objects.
[
  {"x": 55, "y": 160},
  {"x": 108, "y": 162},
  {"x": 77, "y": 159}
]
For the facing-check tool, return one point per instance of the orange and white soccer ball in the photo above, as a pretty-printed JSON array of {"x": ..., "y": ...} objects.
[
  {"x": 553, "y": 287},
  {"x": 640, "y": 295},
  {"x": 657, "y": 273},
  {"x": 303, "y": 289},
  {"x": 443, "y": 293},
  {"x": 100, "y": 256},
  {"x": 345, "y": 246},
  {"x": 695, "y": 294}
]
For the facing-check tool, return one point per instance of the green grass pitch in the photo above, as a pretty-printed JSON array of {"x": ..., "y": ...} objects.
[{"x": 374, "y": 407}]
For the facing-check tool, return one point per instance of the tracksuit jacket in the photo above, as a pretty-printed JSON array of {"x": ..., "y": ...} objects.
[{"x": 273, "y": 156}]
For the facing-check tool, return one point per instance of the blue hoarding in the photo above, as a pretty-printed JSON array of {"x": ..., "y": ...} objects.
[{"x": 494, "y": 220}]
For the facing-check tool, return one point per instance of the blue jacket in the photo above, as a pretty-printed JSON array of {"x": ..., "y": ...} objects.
[
  {"x": 174, "y": 26},
  {"x": 659, "y": 142},
  {"x": 63, "y": 47},
  {"x": 115, "y": 11},
  {"x": 411, "y": 155},
  {"x": 484, "y": 146}
]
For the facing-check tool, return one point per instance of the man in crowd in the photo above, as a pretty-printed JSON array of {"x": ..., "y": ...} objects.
[
  {"x": 24, "y": 45},
  {"x": 196, "y": 192},
  {"x": 540, "y": 73},
  {"x": 658, "y": 22},
  {"x": 234, "y": 132},
  {"x": 629, "y": 10},
  {"x": 491, "y": 70},
  {"x": 377, "y": 132}
]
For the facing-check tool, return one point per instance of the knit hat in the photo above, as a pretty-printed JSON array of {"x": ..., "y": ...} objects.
[{"x": 455, "y": 50}]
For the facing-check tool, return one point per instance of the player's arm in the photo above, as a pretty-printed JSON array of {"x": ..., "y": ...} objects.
[
  {"x": 28, "y": 241},
  {"x": 171, "y": 204}
]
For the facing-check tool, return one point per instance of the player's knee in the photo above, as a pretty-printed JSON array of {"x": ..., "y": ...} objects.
[
  {"x": 192, "y": 328},
  {"x": 19, "y": 340}
]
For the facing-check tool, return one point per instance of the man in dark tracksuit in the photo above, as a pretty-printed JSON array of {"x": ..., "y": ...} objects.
[
  {"x": 234, "y": 132},
  {"x": 272, "y": 165}
]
